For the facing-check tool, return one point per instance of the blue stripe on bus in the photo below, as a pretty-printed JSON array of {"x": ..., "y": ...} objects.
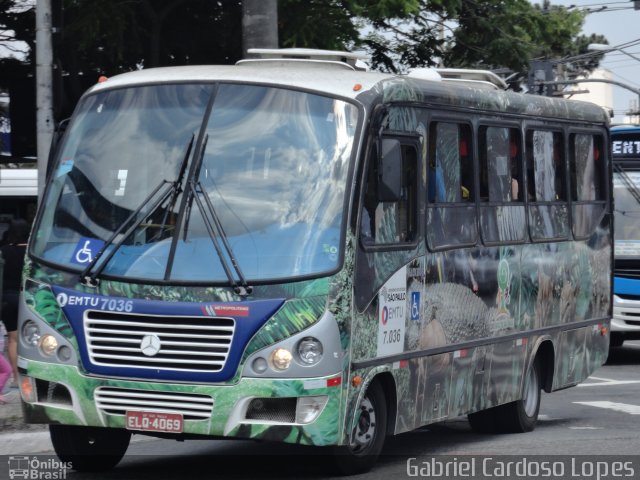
[
  {"x": 250, "y": 317},
  {"x": 626, "y": 286}
]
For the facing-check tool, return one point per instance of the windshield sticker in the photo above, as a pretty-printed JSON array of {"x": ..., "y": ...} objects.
[
  {"x": 226, "y": 310},
  {"x": 86, "y": 250},
  {"x": 122, "y": 178},
  {"x": 331, "y": 251},
  {"x": 65, "y": 167},
  {"x": 392, "y": 302},
  {"x": 415, "y": 306}
]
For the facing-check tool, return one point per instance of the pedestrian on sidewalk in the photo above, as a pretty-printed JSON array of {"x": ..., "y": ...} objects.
[
  {"x": 13, "y": 254},
  {"x": 5, "y": 374}
]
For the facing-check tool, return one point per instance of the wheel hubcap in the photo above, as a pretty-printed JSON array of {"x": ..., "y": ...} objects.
[{"x": 364, "y": 431}]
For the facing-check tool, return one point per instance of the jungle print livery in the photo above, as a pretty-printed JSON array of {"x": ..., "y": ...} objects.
[{"x": 448, "y": 331}]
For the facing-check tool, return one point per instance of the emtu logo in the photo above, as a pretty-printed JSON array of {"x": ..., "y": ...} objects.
[{"x": 384, "y": 317}]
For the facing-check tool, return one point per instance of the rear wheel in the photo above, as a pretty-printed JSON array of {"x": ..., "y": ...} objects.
[
  {"x": 483, "y": 421},
  {"x": 522, "y": 415},
  {"x": 514, "y": 417},
  {"x": 367, "y": 437},
  {"x": 90, "y": 449}
]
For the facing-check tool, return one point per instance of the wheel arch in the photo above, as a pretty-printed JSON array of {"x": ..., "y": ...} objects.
[
  {"x": 384, "y": 377},
  {"x": 388, "y": 384},
  {"x": 545, "y": 353}
]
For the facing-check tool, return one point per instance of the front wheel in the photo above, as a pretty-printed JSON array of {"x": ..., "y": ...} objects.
[
  {"x": 367, "y": 436},
  {"x": 89, "y": 449}
]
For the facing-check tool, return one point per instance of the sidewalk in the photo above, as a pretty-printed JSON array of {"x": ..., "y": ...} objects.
[
  {"x": 17, "y": 437},
  {"x": 11, "y": 414}
]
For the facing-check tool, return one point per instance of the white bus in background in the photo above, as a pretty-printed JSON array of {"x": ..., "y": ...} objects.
[
  {"x": 18, "y": 193},
  {"x": 625, "y": 151}
]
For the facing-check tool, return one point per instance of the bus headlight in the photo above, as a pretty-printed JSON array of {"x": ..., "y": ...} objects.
[
  {"x": 48, "y": 345},
  {"x": 281, "y": 358},
  {"x": 31, "y": 333},
  {"x": 310, "y": 350}
]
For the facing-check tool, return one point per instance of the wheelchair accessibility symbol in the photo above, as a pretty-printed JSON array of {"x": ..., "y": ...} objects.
[
  {"x": 84, "y": 254},
  {"x": 86, "y": 250},
  {"x": 415, "y": 306}
]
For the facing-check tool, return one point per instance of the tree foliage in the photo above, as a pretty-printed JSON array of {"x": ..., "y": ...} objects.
[
  {"x": 499, "y": 35},
  {"x": 100, "y": 37}
]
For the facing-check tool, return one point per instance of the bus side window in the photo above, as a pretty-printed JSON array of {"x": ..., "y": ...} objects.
[
  {"x": 500, "y": 177},
  {"x": 587, "y": 189},
  {"x": 548, "y": 211},
  {"x": 451, "y": 215},
  {"x": 586, "y": 167},
  {"x": 391, "y": 222},
  {"x": 502, "y": 215}
]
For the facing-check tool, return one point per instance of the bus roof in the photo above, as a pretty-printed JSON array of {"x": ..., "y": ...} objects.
[{"x": 332, "y": 78}]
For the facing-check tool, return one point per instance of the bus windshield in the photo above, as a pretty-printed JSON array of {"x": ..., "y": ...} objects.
[
  {"x": 626, "y": 185},
  {"x": 269, "y": 165}
]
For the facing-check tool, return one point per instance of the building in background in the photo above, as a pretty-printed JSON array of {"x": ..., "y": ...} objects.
[{"x": 602, "y": 94}]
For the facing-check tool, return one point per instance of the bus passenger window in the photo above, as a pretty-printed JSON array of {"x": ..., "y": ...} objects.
[
  {"x": 500, "y": 177},
  {"x": 548, "y": 210},
  {"x": 545, "y": 164},
  {"x": 502, "y": 214},
  {"x": 384, "y": 223},
  {"x": 586, "y": 170},
  {"x": 587, "y": 189},
  {"x": 450, "y": 164},
  {"x": 451, "y": 213}
]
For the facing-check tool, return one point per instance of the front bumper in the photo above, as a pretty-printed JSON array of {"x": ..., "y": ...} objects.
[
  {"x": 626, "y": 315},
  {"x": 54, "y": 393}
]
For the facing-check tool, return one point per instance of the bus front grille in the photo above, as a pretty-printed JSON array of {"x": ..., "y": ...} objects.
[
  {"x": 187, "y": 343},
  {"x": 117, "y": 401}
]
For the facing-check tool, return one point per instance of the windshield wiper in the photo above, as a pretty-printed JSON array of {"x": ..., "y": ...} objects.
[
  {"x": 212, "y": 224},
  {"x": 176, "y": 191},
  {"x": 89, "y": 278},
  {"x": 196, "y": 174},
  {"x": 216, "y": 231}
]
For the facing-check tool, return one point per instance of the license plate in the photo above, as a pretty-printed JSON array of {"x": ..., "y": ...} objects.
[{"x": 154, "y": 422}]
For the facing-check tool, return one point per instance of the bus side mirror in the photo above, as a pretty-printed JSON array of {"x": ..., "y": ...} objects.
[{"x": 390, "y": 170}]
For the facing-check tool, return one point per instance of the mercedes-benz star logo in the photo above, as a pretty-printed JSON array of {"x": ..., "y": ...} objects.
[{"x": 150, "y": 345}]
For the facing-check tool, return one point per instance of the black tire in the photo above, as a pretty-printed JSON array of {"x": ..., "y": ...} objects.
[
  {"x": 483, "y": 421},
  {"x": 89, "y": 449},
  {"x": 522, "y": 415},
  {"x": 367, "y": 438},
  {"x": 616, "y": 339}
]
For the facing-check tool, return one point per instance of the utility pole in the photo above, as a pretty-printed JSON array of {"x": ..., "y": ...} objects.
[
  {"x": 44, "y": 89},
  {"x": 259, "y": 24}
]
